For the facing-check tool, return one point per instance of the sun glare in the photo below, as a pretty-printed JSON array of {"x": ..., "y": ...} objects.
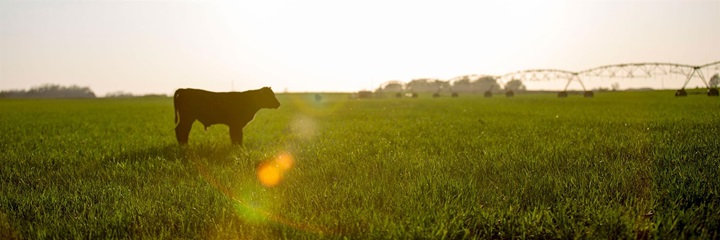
[
  {"x": 285, "y": 161},
  {"x": 271, "y": 172},
  {"x": 318, "y": 104}
]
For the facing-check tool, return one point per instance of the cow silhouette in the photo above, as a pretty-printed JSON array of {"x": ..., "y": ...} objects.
[{"x": 234, "y": 109}]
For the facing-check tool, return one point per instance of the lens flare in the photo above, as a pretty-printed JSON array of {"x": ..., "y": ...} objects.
[
  {"x": 304, "y": 127},
  {"x": 325, "y": 105},
  {"x": 269, "y": 175},
  {"x": 255, "y": 204},
  {"x": 271, "y": 172},
  {"x": 285, "y": 161}
]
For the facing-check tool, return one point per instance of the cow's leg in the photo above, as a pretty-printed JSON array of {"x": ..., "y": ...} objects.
[
  {"x": 182, "y": 131},
  {"x": 236, "y": 135}
]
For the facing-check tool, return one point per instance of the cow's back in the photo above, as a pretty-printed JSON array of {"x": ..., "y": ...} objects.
[{"x": 216, "y": 107}]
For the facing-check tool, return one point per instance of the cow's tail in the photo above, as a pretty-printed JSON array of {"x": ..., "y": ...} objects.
[{"x": 175, "y": 105}]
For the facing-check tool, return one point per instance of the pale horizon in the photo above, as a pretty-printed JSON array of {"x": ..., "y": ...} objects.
[{"x": 148, "y": 47}]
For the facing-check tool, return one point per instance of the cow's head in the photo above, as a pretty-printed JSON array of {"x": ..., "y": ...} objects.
[{"x": 266, "y": 98}]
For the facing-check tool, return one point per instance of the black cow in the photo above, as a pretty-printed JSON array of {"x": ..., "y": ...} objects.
[{"x": 235, "y": 109}]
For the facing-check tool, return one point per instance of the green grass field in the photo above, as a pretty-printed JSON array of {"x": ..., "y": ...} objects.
[{"x": 620, "y": 165}]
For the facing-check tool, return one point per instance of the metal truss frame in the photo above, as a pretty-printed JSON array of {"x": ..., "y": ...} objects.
[{"x": 626, "y": 70}]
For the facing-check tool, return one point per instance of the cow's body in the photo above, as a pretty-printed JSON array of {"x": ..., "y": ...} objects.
[{"x": 235, "y": 109}]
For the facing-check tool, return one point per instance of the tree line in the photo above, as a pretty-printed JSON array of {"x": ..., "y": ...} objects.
[
  {"x": 50, "y": 91},
  {"x": 463, "y": 84},
  {"x": 73, "y": 91}
]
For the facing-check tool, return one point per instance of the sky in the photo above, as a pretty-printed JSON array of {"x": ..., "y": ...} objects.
[{"x": 325, "y": 45}]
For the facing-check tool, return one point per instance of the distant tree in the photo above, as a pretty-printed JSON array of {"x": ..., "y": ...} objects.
[
  {"x": 715, "y": 81},
  {"x": 615, "y": 86},
  {"x": 394, "y": 86},
  {"x": 118, "y": 94},
  {"x": 424, "y": 85},
  {"x": 463, "y": 84},
  {"x": 154, "y": 95},
  {"x": 442, "y": 85},
  {"x": 486, "y": 83},
  {"x": 515, "y": 85}
]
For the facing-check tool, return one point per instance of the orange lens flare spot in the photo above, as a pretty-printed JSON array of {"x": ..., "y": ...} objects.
[
  {"x": 271, "y": 172},
  {"x": 285, "y": 161}
]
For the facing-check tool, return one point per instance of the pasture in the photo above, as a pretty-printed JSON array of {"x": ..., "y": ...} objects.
[{"x": 619, "y": 165}]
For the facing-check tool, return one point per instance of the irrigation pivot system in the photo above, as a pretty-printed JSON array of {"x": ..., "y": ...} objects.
[
  {"x": 628, "y": 70},
  {"x": 488, "y": 83}
]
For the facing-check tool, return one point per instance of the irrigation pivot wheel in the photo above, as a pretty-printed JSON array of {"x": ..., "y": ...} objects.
[
  {"x": 681, "y": 93},
  {"x": 713, "y": 92}
]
